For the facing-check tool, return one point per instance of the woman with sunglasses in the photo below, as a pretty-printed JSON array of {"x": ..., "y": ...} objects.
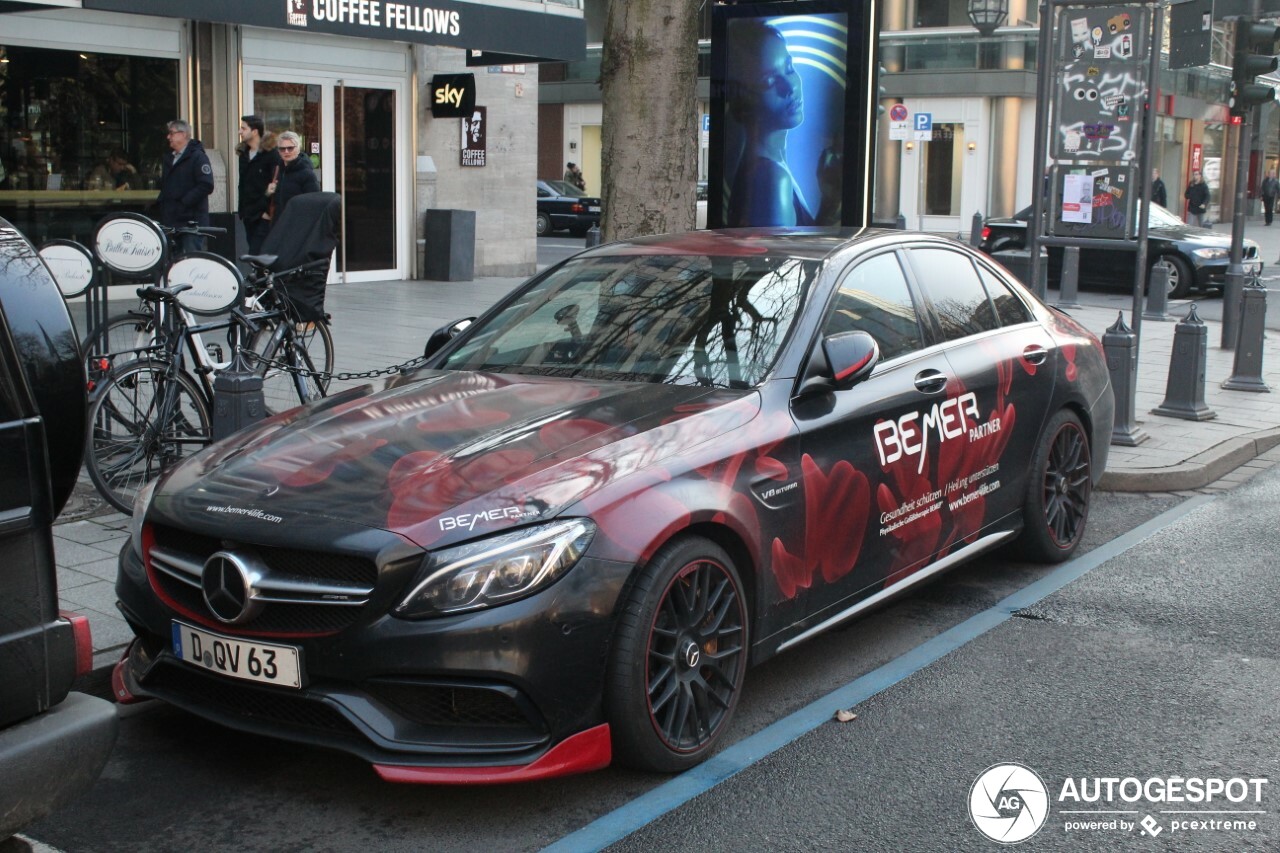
[{"x": 295, "y": 178}]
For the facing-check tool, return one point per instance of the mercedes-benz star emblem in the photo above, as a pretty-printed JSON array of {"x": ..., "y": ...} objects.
[{"x": 227, "y": 583}]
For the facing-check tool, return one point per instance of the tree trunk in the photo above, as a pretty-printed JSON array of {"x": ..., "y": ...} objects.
[{"x": 649, "y": 73}]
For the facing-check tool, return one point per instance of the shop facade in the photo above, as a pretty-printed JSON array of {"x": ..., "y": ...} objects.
[{"x": 84, "y": 89}]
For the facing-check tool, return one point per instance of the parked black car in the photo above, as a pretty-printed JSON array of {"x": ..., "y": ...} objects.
[
  {"x": 565, "y": 539},
  {"x": 53, "y": 742},
  {"x": 1195, "y": 257},
  {"x": 563, "y": 207}
]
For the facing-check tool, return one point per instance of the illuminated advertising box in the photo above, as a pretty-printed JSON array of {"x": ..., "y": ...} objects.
[{"x": 793, "y": 113}]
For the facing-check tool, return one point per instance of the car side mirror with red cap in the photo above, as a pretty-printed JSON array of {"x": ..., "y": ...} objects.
[{"x": 842, "y": 361}]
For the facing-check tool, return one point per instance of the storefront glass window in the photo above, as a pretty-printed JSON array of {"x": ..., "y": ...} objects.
[
  {"x": 940, "y": 189},
  {"x": 81, "y": 135}
]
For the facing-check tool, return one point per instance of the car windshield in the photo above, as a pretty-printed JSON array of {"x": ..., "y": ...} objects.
[{"x": 675, "y": 319}]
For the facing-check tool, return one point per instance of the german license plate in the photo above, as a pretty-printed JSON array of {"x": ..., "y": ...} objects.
[
  {"x": 593, "y": 209},
  {"x": 264, "y": 662}
]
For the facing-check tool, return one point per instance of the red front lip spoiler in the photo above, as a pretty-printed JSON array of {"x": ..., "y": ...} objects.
[
  {"x": 580, "y": 753},
  {"x": 587, "y": 750}
]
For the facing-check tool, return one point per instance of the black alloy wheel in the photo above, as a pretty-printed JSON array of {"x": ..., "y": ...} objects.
[
  {"x": 1058, "y": 495},
  {"x": 680, "y": 658}
]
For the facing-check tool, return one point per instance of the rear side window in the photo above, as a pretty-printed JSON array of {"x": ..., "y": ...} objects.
[
  {"x": 1009, "y": 308},
  {"x": 874, "y": 298},
  {"x": 950, "y": 281}
]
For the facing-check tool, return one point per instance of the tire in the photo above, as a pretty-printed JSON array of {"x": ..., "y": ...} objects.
[
  {"x": 119, "y": 338},
  {"x": 1181, "y": 278},
  {"x": 679, "y": 658},
  {"x": 311, "y": 349},
  {"x": 1058, "y": 493},
  {"x": 126, "y": 448},
  {"x": 544, "y": 224}
]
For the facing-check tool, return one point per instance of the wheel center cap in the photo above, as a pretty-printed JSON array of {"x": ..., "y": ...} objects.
[{"x": 691, "y": 654}]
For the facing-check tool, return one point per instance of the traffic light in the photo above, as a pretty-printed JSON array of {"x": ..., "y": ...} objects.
[{"x": 1255, "y": 54}]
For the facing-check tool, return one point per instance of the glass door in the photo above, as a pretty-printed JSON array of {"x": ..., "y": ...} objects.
[
  {"x": 352, "y": 132},
  {"x": 367, "y": 181}
]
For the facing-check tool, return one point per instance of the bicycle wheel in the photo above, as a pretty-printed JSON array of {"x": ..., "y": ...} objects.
[
  {"x": 118, "y": 338},
  {"x": 308, "y": 348},
  {"x": 141, "y": 422}
]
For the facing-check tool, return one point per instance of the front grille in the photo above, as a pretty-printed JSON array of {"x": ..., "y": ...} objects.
[
  {"x": 302, "y": 592},
  {"x": 185, "y": 687},
  {"x": 451, "y": 705}
]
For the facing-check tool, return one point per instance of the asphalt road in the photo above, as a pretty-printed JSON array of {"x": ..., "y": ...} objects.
[{"x": 1105, "y": 678}]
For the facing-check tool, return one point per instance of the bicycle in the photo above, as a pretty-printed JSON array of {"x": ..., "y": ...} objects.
[
  {"x": 134, "y": 332},
  {"x": 148, "y": 413}
]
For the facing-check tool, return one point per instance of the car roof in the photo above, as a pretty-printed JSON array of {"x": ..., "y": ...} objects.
[{"x": 807, "y": 243}]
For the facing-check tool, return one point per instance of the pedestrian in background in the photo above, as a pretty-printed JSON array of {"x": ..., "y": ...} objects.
[
  {"x": 260, "y": 164},
  {"x": 573, "y": 175},
  {"x": 1269, "y": 190},
  {"x": 1197, "y": 196},
  {"x": 297, "y": 177},
  {"x": 1158, "y": 192},
  {"x": 186, "y": 182}
]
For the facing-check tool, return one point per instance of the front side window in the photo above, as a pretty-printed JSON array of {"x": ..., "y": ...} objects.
[{"x": 675, "y": 319}]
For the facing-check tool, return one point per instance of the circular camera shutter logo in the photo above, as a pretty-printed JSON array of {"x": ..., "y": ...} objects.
[{"x": 1008, "y": 803}]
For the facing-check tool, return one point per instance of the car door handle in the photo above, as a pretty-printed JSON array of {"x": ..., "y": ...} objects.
[
  {"x": 930, "y": 381},
  {"x": 1035, "y": 354}
]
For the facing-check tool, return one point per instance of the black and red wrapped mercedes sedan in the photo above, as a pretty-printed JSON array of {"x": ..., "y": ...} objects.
[{"x": 565, "y": 540}]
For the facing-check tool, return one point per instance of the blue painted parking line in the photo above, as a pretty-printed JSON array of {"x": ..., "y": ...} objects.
[{"x": 623, "y": 821}]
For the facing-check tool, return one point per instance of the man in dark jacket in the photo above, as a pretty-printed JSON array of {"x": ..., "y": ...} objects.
[
  {"x": 259, "y": 166},
  {"x": 186, "y": 181},
  {"x": 1197, "y": 196},
  {"x": 1159, "y": 194},
  {"x": 297, "y": 177}
]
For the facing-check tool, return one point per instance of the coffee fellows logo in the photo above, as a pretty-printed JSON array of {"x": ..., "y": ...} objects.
[{"x": 296, "y": 12}]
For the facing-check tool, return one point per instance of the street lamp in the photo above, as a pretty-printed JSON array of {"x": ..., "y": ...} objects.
[{"x": 986, "y": 15}]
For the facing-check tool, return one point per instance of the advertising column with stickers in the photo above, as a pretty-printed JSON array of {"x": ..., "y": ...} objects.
[{"x": 1096, "y": 130}]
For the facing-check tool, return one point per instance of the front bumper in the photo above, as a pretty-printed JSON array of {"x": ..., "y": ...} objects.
[
  {"x": 492, "y": 695},
  {"x": 1213, "y": 273}
]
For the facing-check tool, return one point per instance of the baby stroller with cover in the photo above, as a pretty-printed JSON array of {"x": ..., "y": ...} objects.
[
  {"x": 295, "y": 260},
  {"x": 305, "y": 235}
]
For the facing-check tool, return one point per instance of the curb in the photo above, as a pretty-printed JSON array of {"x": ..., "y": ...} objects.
[{"x": 1198, "y": 471}]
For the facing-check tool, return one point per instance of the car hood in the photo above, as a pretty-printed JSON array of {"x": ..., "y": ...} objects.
[
  {"x": 448, "y": 456},
  {"x": 1197, "y": 236}
]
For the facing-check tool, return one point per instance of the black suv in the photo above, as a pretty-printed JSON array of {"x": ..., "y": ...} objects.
[{"x": 53, "y": 742}]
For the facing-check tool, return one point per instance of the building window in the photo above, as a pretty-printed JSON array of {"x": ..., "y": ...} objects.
[
  {"x": 940, "y": 189},
  {"x": 81, "y": 134}
]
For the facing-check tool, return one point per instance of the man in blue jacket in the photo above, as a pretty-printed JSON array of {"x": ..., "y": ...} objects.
[{"x": 186, "y": 181}]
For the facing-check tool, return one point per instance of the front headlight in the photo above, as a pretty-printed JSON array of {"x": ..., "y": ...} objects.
[
  {"x": 498, "y": 569},
  {"x": 140, "y": 506},
  {"x": 1211, "y": 254}
]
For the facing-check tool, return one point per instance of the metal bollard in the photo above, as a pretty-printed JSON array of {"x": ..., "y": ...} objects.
[
  {"x": 237, "y": 398},
  {"x": 975, "y": 230},
  {"x": 1246, "y": 373},
  {"x": 1184, "y": 390},
  {"x": 901, "y": 222},
  {"x": 1069, "y": 287},
  {"x": 593, "y": 235},
  {"x": 1157, "y": 294},
  {"x": 1121, "y": 346}
]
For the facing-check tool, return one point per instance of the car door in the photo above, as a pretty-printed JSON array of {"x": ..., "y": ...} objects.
[
  {"x": 871, "y": 503},
  {"x": 1004, "y": 365}
]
